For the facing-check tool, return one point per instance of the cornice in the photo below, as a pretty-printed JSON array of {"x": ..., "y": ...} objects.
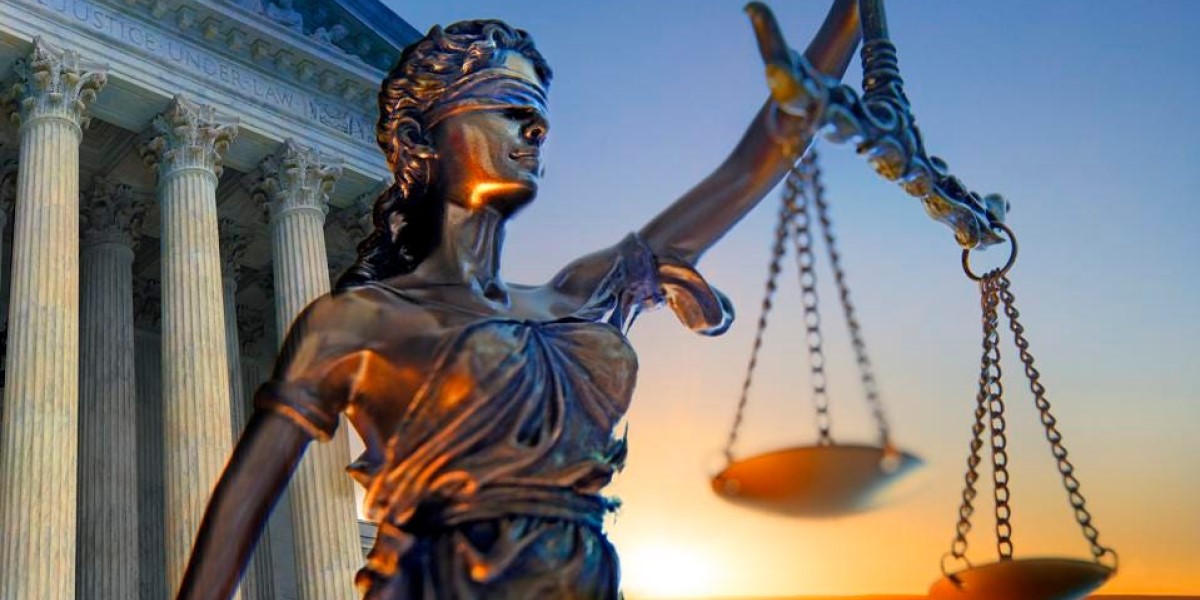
[
  {"x": 255, "y": 40},
  {"x": 150, "y": 62}
]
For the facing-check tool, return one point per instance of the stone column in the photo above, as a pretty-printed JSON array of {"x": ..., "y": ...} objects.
[
  {"x": 251, "y": 328},
  {"x": 38, "y": 447},
  {"x": 233, "y": 246},
  {"x": 8, "y": 196},
  {"x": 148, "y": 364},
  {"x": 348, "y": 227},
  {"x": 234, "y": 239},
  {"x": 296, "y": 184},
  {"x": 107, "y": 553},
  {"x": 196, "y": 423},
  {"x": 256, "y": 331}
]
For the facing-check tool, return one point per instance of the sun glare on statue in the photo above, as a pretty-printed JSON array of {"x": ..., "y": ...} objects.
[{"x": 666, "y": 570}]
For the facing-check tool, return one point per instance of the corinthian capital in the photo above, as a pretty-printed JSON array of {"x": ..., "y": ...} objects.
[
  {"x": 256, "y": 330},
  {"x": 54, "y": 83},
  {"x": 147, "y": 303},
  {"x": 252, "y": 331},
  {"x": 109, "y": 213},
  {"x": 189, "y": 136},
  {"x": 355, "y": 222},
  {"x": 346, "y": 228},
  {"x": 235, "y": 238},
  {"x": 296, "y": 178},
  {"x": 8, "y": 186}
]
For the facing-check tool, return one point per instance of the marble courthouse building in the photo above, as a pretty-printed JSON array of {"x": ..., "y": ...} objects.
[{"x": 178, "y": 178}]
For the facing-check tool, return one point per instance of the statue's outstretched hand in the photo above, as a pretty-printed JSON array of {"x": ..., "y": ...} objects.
[{"x": 798, "y": 82}]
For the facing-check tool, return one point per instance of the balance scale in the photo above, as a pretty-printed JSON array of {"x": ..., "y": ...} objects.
[{"x": 828, "y": 479}]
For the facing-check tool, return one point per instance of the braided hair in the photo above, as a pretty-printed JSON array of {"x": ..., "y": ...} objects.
[{"x": 407, "y": 216}]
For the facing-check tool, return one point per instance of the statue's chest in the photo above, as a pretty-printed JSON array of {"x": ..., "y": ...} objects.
[{"x": 451, "y": 363}]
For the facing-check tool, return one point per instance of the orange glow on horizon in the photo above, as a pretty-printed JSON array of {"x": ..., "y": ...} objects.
[{"x": 658, "y": 567}]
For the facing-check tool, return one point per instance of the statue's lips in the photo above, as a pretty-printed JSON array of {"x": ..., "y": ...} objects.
[{"x": 527, "y": 159}]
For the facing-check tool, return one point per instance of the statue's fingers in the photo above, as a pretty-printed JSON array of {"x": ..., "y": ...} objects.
[
  {"x": 771, "y": 45},
  {"x": 781, "y": 70}
]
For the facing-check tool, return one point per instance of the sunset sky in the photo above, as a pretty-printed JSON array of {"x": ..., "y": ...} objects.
[{"x": 1082, "y": 113}]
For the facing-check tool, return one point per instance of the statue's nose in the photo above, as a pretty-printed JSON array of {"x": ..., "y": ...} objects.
[{"x": 534, "y": 134}]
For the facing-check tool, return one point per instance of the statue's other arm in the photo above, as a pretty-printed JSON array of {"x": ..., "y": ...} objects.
[
  {"x": 702, "y": 215},
  {"x": 313, "y": 379},
  {"x": 267, "y": 453}
]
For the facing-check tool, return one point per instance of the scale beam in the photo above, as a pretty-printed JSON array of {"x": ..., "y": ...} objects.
[{"x": 880, "y": 123}]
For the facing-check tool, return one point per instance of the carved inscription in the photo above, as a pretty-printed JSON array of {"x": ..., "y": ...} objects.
[{"x": 113, "y": 25}]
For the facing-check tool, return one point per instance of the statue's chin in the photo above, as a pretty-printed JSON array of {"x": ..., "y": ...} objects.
[
  {"x": 506, "y": 199},
  {"x": 512, "y": 207}
]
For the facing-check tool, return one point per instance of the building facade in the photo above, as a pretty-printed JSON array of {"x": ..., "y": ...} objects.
[{"x": 178, "y": 178}]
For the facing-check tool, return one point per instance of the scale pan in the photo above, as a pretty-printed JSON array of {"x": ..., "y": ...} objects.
[
  {"x": 813, "y": 481},
  {"x": 1023, "y": 579}
]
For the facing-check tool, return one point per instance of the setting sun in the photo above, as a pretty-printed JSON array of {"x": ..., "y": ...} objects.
[{"x": 655, "y": 567}]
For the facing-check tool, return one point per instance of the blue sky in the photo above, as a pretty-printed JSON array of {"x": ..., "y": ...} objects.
[{"x": 1082, "y": 114}]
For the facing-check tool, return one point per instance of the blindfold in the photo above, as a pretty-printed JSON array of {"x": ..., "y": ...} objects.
[{"x": 490, "y": 89}]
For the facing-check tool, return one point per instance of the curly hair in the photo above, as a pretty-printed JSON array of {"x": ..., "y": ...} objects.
[{"x": 406, "y": 217}]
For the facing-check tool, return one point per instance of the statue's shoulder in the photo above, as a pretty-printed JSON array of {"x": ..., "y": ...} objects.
[
  {"x": 350, "y": 318},
  {"x": 363, "y": 309},
  {"x": 340, "y": 309}
]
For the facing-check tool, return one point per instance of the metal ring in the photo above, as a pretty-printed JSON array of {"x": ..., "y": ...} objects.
[
  {"x": 793, "y": 149},
  {"x": 1012, "y": 257},
  {"x": 954, "y": 576},
  {"x": 1105, "y": 551},
  {"x": 773, "y": 130}
]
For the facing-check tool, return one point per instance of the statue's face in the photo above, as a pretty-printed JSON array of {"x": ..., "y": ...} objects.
[{"x": 490, "y": 158}]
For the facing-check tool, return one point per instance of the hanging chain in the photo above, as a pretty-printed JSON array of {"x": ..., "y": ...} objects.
[
  {"x": 797, "y": 197},
  {"x": 989, "y": 378},
  {"x": 994, "y": 288},
  {"x": 777, "y": 250},
  {"x": 865, "y": 370},
  {"x": 996, "y": 423},
  {"x": 1065, "y": 468}
]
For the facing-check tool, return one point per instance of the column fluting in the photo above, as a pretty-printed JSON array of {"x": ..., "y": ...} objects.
[
  {"x": 196, "y": 421},
  {"x": 296, "y": 184},
  {"x": 251, "y": 329},
  {"x": 148, "y": 365},
  {"x": 234, "y": 240},
  {"x": 8, "y": 196},
  {"x": 38, "y": 443},
  {"x": 107, "y": 552}
]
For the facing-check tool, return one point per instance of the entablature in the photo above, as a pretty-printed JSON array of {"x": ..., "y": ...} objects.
[{"x": 279, "y": 82}]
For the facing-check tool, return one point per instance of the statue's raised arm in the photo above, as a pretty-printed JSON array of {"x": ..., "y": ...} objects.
[{"x": 763, "y": 156}]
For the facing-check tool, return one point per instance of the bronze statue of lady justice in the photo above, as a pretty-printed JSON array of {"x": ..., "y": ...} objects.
[{"x": 487, "y": 408}]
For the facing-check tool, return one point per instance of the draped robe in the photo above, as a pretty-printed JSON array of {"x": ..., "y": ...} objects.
[{"x": 488, "y": 437}]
